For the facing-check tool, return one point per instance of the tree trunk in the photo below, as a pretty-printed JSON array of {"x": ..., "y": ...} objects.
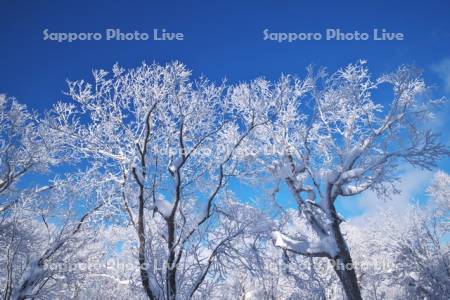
[
  {"x": 343, "y": 264},
  {"x": 171, "y": 270},
  {"x": 141, "y": 255}
]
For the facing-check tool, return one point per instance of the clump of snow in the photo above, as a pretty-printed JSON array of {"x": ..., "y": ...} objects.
[
  {"x": 354, "y": 173},
  {"x": 350, "y": 189},
  {"x": 324, "y": 245}
]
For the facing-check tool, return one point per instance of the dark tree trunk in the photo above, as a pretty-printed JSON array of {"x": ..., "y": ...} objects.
[
  {"x": 343, "y": 264},
  {"x": 142, "y": 243},
  {"x": 171, "y": 270},
  {"x": 142, "y": 258}
]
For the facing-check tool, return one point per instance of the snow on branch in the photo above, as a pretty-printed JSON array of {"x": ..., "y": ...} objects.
[
  {"x": 320, "y": 248},
  {"x": 164, "y": 207}
]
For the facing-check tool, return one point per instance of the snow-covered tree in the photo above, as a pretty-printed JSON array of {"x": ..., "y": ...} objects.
[
  {"x": 26, "y": 153},
  {"x": 43, "y": 238},
  {"x": 170, "y": 144},
  {"x": 421, "y": 250},
  {"x": 404, "y": 254},
  {"x": 24, "y": 148},
  {"x": 150, "y": 200},
  {"x": 347, "y": 144}
]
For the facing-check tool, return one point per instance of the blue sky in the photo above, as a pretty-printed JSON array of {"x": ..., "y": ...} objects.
[{"x": 222, "y": 39}]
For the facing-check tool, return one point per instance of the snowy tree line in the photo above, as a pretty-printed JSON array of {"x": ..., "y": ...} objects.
[{"x": 132, "y": 189}]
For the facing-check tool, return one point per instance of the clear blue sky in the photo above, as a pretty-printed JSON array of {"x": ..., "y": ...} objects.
[{"x": 222, "y": 39}]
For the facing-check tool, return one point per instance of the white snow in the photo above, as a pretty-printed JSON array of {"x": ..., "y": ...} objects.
[
  {"x": 164, "y": 207},
  {"x": 325, "y": 245},
  {"x": 354, "y": 173},
  {"x": 349, "y": 189},
  {"x": 351, "y": 155}
]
